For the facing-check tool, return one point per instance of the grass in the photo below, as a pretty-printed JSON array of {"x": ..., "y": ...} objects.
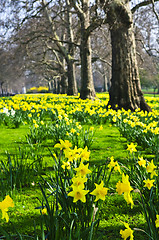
[
  {"x": 28, "y": 197},
  {"x": 107, "y": 143}
]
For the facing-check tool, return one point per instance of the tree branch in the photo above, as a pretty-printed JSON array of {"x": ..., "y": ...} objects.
[
  {"x": 142, "y": 4},
  {"x": 154, "y": 10}
]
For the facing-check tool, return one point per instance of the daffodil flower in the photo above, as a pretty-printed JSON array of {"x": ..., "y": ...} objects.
[
  {"x": 142, "y": 162},
  {"x": 124, "y": 187},
  {"x": 132, "y": 147},
  {"x": 151, "y": 168},
  {"x": 4, "y": 205},
  {"x": 63, "y": 144},
  {"x": 100, "y": 191},
  {"x": 157, "y": 221},
  {"x": 127, "y": 233},
  {"x": 149, "y": 183},
  {"x": 78, "y": 193},
  {"x": 83, "y": 170},
  {"x": 78, "y": 180}
]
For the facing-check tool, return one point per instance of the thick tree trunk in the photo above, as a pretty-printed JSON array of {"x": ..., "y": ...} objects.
[
  {"x": 87, "y": 85},
  {"x": 125, "y": 91}
]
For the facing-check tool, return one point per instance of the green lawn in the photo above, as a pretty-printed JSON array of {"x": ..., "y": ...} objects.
[{"x": 107, "y": 143}]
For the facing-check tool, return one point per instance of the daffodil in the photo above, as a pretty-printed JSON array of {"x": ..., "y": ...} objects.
[
  {"x": 78, "y": 180},
  {"x": 127, "y": 233},
  {"x": 128, "y": 199},
  {"x": 149, "y": 183},
  {"x": 85, "y": 154},
  {"x": 36, "y": 125},
  {"x": 44, "y": 211},
  {"x": 132, "y": 147},
  {"x": 114, "y": 164},
  {"x": 78, "y": 193},
  {"x": 4, "y": 205},
  {"x": 83, "y": 170},
  {"x": 142, "y": 162},
  {"x": 66, "y": 165},
  {"x": 100, "y": 191},
  {"x": 73, "y": 130},
  {"x": 151, "y": 168},
  {"x": 101, "y": 127},
  {"x": 63, "y": 144},
  {"x": 157, "y": 221},
  {"x": 124, "y": 187}
]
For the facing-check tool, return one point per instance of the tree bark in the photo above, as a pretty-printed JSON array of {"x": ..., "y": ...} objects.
[
  {"x": 87, "y": 84},
  {"x": 64, "y": 84},
  {"x": 125, "y": 91},
  {"x": 72, "y": 84}
]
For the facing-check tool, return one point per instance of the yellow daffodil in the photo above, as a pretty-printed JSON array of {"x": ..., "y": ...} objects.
[
  {"x": 142, "y": 162},
  {"x": 117, "y": 167},
  {"x": 36, "y": 125},
  {"x": 157, "y": 221},
  {"x": 149, "y": 183},
  {"x": 44, "y": 211},
  {"x": 4, "y": 205},
  {"x": 132, "y": 147},
  {"x": 60, "y": 117},
  {"x": 85, "y": 154},
  {"x": 83, "y": 170},
  {"x": 100, "y": 191},
  {"x": 128, "y": 199},
  {"x": 78, "y": 193},
  {"x": 151, "y": 169},
  {"x": 63, "y": 144},
  {"x": 73, "y": 130},
  {"x": 78, "y": 181},
  {"x": 124, "y": 187},
  {"x": 101, "y": 127},
  {"x": 127, "y": 233},
  {"x": 114, "y": 164},
  {"x": 66, "y": 165}
]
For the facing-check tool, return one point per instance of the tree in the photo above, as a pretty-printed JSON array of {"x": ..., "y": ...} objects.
[
  {"x": 67, "y": 54},
  {"x": 125, "y": 91},
  {"x": 83, "y": 11}
]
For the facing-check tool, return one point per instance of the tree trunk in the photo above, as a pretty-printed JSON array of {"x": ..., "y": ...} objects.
[
  {"x": 105, "y": 83},
  {"x": 64, "y": 84},
  {"x": 72, "y": 84},
  {"x": 87, "y": 85},
  {"x": 125, "y": 91}
]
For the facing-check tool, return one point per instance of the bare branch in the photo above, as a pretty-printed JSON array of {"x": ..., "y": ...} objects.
[
  {"x": 142, "y": 4},
  {"x": 154, "y": 10}
]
